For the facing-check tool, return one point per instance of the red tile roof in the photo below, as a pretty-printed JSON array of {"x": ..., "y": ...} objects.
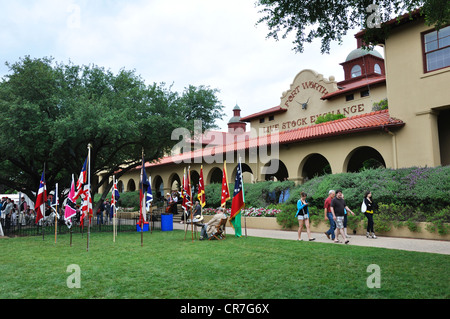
[
  {"x": 355, "y": 85},
  {"x": 272, "y": 110},
  {"x": 378, "y": 120}
]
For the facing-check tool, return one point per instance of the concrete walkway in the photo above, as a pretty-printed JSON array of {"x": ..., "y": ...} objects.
[{"x": 419, "y": 245}]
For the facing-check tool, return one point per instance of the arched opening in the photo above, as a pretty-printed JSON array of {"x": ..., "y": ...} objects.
[
  {"x": 247, "y": 174},
  {"x": 356, "y": 71},
  {"x": 377, "y": 68},
  {"x": 175, "y": 182},
  {"x": 195, "y": 177},
  {"x": 158, "y": 186},
  {"x": 131, "y": 186},
  {"x": 215, "y": 175},
  {"x": 315, "y": 165},
  {"x": 275, "y": 170},
  {"x": 120, "y": 187},
  {"x": 364, "y": 157}
]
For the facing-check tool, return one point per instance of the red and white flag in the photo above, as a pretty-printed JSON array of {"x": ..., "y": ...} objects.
[
  {"x": 86, "y": 207},
  {"x": 82, "y": 179},
  {"x": 41, "y": 199},
  {"x": 186, "y": 190}
]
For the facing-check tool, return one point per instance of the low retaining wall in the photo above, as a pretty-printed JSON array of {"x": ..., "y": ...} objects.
[{"x": 322, "y": 226}]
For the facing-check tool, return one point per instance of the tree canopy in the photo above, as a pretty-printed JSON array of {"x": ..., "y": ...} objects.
[
  {"x": 330, "y": 20},
  {"x": 52, "y": 111}
]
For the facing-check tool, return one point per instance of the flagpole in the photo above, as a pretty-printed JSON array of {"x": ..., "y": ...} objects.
[
  {"x": 190, "y": 198},
  {"x": 183, "y": 204},
  {"x": 43, "y": 212},
  {"x": 89, "y": 194},
  {"x": 151, "y": 205},
  {"x": 243, "y": 196},
  {"x": 114, "y": 211},
  {"x": 142, "y": 199},
  {"x": 71, "y": 225},
  {"x": 56, "y": 209}
]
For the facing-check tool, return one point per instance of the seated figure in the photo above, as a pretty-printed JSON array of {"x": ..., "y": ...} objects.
[{"x": 209, "y": 228}]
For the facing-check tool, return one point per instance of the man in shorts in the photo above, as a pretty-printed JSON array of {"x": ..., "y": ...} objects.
[
  {"x": 328, "y": 215},
  {"x": 337, "y": 209}
]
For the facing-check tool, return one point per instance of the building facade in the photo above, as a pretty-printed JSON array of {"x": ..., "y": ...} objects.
[{"x": 284, "y": 142}]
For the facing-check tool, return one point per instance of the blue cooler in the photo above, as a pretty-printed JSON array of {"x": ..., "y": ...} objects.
[{"x": 166, "y": 222}]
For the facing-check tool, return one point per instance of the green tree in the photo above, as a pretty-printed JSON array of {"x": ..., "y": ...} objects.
[
  {"x": 52, "y": 111},
  {"x": 330, "y": 20}
]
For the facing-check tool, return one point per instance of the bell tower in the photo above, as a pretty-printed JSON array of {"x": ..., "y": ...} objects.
[{"x": 234, "y": 124}]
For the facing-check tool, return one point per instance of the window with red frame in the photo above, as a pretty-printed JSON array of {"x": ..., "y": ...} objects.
[{"x": 437, "y": 49}]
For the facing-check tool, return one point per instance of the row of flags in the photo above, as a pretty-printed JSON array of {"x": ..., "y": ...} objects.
[{"x": 82, "y": 189}]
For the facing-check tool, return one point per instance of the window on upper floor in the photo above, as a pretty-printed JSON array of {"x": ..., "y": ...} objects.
[
  {"x": 377, "y": 68},
  {"x": 436, "y": 49},
  {"x": 356, "y": 71},
  {"x": 364, "y": 93}
]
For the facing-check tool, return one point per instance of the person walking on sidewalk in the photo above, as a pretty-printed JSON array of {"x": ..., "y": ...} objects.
[
  {"x": 337, "y": 208},
  {"x": 345, "y": 220},
  {"x": 303, "y": 216},
  {"x": 369, "y": 214},
  {"x": 328, "y": 215}
]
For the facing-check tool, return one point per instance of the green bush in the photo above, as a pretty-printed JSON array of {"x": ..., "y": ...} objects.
[
  {"x": 256, "y": 195},
  {"x": 286, "y": 218},
  {"x": 404, "y": 196},
  {"x": 438, "y": 221},
  {"x": 353, "y": 222},
  {"x": 408, "y": 192},
  {"x": 329, "y": 117}
]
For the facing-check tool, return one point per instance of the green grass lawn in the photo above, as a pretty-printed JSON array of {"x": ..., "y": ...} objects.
[{"x": 169, "y": 267}]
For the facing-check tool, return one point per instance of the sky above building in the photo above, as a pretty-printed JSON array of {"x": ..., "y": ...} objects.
[{"x": 179, "y": 42}]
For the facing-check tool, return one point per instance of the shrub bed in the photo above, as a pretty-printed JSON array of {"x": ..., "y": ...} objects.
[{"x": 404, "y": 197}]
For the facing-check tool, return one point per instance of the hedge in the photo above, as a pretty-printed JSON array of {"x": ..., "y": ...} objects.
[{"x": 407, "y": 194}]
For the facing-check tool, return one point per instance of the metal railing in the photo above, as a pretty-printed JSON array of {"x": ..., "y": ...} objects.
[{"x": 28, "y": 227}]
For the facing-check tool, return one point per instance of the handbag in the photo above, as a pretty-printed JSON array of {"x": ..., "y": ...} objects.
[{"x": 363, "y": 207}]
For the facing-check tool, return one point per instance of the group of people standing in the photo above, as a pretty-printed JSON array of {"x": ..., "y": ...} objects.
[
  {"x": 12, "y": 214},
  {"x": 335, "y": 211}
]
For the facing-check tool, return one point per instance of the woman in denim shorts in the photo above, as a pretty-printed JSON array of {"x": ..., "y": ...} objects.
[{"x": 303, "y": 216}]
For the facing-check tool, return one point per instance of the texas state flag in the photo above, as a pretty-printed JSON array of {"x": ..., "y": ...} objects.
[{"x": 41, "y": 199}]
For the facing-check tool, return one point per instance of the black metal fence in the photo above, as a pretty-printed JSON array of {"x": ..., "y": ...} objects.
[{"x": 28, "y": 227}]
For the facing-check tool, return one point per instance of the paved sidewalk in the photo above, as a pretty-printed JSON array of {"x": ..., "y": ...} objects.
[{"x": 420, "y": 245}]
